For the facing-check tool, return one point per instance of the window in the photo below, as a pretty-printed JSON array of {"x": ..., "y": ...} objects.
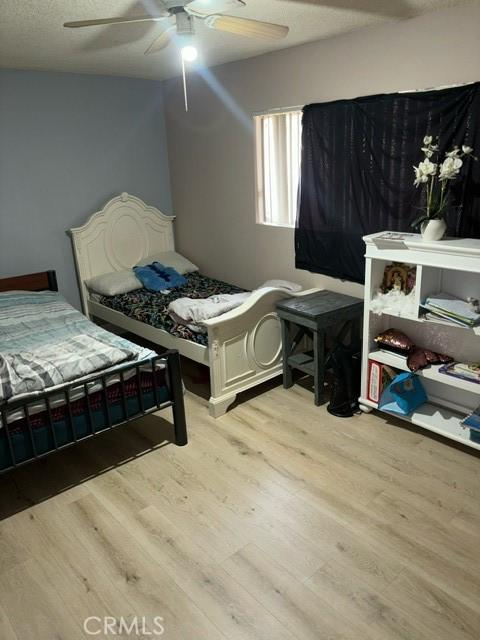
[{"x": 278, "y": 145}]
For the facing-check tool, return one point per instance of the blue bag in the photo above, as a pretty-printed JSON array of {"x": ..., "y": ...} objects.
[{"x": 403, "y": 395}]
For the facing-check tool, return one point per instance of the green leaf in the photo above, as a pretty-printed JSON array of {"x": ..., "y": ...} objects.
[{"x": 418, "y": 221}]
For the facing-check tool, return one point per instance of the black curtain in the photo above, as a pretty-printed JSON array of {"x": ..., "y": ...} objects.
[{"x": 357, "y": 172}]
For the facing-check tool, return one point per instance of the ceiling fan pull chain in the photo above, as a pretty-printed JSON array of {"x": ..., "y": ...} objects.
[{"x": 184, "y": 85}]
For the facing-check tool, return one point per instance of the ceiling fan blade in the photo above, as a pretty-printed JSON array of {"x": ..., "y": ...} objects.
[
  {"x": 246, "y": 27},
  {"x": 202, "y": 8},
  {"x": 124, "y": 20},
  {"x": 161, "y": 42}
]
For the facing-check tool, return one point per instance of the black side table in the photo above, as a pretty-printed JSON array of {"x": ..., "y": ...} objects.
[{"x": 313, "y": 315}]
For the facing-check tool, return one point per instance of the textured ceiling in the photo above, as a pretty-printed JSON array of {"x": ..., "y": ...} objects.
[{"x": 32, "y": 36}]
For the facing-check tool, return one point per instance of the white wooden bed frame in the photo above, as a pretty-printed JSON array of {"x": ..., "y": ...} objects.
[{"x": 244, "y": 345}]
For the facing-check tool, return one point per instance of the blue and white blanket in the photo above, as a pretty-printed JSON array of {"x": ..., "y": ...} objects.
[{"x": 45, "y": 342}]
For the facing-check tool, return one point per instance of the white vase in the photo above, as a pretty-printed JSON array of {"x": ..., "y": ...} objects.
[{"x": 433, "y": 230}]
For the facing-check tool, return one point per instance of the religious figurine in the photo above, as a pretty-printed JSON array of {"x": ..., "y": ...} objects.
[
  {"x": 397, "y": 282},
  {"x": 398, "y": 276}
]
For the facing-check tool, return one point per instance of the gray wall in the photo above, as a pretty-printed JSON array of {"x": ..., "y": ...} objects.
[
  {"x": 212, "y": 153},
  {"x": 68, "y": 143}
]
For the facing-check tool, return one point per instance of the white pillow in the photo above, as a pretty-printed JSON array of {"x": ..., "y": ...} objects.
[
  {"x": 170, "y": 259},
  {"x": 112, "y": 284}
]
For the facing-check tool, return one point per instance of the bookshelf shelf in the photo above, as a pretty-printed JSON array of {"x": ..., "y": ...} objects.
[
  {"x": 433, "y": 323},
  {"x": 437, "y": 419},
  {"x": 430, "y": 373}
]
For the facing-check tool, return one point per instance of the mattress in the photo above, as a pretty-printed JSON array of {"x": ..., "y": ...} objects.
[
  {"x": 152, "y": 308},
  {"x": 45, "y": 342},
  {"x": 36, "y": 329}
]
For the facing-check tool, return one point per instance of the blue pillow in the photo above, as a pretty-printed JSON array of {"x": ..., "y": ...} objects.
[
  {"x": 156, "y": 277},
  {"x": 173, "y": 278}
]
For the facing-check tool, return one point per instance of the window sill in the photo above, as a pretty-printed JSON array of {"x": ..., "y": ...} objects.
[{"x": 275, "y": 224}]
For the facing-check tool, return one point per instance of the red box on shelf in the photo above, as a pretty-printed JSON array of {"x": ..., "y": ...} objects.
[{"x": 379, "y": 376}]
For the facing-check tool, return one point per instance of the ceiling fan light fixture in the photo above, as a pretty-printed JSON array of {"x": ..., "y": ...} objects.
[
  {"x": 189, "y": 53},
  {"x": 185, "y": 23}
]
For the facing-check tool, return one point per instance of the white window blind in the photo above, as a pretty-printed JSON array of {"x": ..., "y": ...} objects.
[{"x": 278, "y": 148}]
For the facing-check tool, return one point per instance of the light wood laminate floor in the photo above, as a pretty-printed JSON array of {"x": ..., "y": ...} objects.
[{"x": 276, "y": 522}]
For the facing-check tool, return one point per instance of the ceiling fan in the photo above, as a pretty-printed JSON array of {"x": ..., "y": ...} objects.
[{"x": 179, "y": 17}]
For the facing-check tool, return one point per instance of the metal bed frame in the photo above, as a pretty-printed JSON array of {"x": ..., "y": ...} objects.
[{"x": 171, "y": 360}]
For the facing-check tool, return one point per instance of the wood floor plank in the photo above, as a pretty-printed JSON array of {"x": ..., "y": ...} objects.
[
  {"x": 149, "y": 591},
  {"x": 296, "y": 606},
  {"x": 302, "y": 460},
  {"x": 400, "y": 545},
  {"x": 224, "y": 602},
  {"x": 455, "y": 486},
  {"x": 32, "y": 605},
  {"x": 234, "y": 508},
  {"x": 346, "y": 591},
  {"x": 247, "y": 465},
  {"x": 248, "y": 511},
  {"x": 70, "y": 565},
  {"x": 435, "y": 535},
  {"x": 197, "y": 516},
  {"x": 6, "y": 629},
  {"x": 468, "y": 523},
  {"x": 401, "y": 605},
  {"x": 233, "y": 609},
  {"x": 340, "y": 542},
  {"x": 357, "y": 600},
  {"x": 444, "y": 615},
  {"x": 12, "y": 552}
]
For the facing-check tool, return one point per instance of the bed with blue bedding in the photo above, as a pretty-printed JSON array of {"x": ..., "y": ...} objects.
[{"x": 63, "y": 378}]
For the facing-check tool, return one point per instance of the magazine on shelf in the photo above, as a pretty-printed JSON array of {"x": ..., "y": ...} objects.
[
  {"x": 451, "y": 307},
  {"x": 395, "y": 236},
  {"x": 464, "y": 370},
  {"x": 431, "y": 316}
]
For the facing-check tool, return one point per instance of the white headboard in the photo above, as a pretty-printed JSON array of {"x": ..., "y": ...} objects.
[{"x": 124, "y": 232}]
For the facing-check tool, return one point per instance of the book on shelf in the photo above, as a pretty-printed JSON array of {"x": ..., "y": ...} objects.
[
  {"x": 379, "y": 377},
  {"x": 430, "y": 316},
  {"x": 453, "y": 309},
  {"x": 464, "y": 370}
]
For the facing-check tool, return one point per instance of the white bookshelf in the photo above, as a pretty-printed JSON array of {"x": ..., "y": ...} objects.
[{"x": 448, "y": 265}]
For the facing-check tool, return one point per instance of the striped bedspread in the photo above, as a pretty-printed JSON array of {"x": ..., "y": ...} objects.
[{"x": 45, "y": 342}]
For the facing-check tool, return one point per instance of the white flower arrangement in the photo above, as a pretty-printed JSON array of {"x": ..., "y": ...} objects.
[{"x": 437, "y": 177}]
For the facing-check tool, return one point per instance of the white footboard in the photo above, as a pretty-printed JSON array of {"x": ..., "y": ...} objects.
[{"x": 245, "y": 347}]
